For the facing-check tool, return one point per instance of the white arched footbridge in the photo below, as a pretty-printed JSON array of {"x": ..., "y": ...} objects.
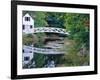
[{"x": 51, "y": 30}]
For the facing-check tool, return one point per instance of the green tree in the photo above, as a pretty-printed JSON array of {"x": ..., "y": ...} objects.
[
  {"x": 76, "y": 45},
  {"x": 40, "y": 19},
  {"x": 55, "y": 19},
  {"x": 78, "y": 49},
  {"x": 78, "y": 25}
]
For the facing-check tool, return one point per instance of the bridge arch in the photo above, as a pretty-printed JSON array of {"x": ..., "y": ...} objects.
[{"x": 51, "y": 30}]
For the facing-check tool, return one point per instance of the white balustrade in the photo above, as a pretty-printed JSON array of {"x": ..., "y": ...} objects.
[
  {"x": 47, "y": 51},
  {"x": 50, "y": 29}
]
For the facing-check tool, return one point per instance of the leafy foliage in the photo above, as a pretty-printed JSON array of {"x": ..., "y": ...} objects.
[
  {"x": 40, "y": 39},
  {"x": 79, "y": 30},
  {"x": 40, "y": 19},
  {"x": 55, "y": 19},
  {"x": 40, "y": 60},
  {"x": 27, "y": 39}
]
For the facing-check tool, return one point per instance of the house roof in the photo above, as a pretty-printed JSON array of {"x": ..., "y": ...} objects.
[{"x": 28, "y": 15}]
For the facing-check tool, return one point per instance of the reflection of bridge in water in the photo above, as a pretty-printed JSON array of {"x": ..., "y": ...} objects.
[{"x": 47, "y": 51}]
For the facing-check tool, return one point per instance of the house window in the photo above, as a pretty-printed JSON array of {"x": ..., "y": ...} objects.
[
  {"x": 26, "y": 58},
  {"x": 23, "y": 51},
  {"x": 23, "y": 27},
  {"x": 27, "y": 18},
  {"x": 30, "y": 26},
  {"x": 30, "y": 51}
]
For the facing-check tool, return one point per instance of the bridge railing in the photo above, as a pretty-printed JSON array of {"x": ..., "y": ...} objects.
[
  {"x": 47, "y": 51},
  {"x": 42, "y": 50},
  {"x": 50, "y": 29}
]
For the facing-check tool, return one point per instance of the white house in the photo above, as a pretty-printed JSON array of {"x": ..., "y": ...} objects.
[
  {"x": 28, "y": 54},
  {"x": 28, "y": 24}
]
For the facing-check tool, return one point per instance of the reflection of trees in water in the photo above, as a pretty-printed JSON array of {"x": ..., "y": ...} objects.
[
  {"x": 75, "y": 56},
  {"x": 72, "y": 57}
]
